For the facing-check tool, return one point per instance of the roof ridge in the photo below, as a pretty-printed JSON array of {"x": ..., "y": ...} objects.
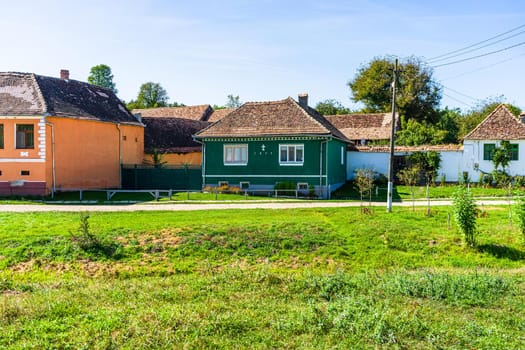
[
  {"x": 308, "y": 114},
  {"x": 39, "y": 92},
  {"x": 501, "y": 105}
]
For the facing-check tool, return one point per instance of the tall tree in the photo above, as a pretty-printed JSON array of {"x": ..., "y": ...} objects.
[
  {"x": 331, "y": 107},
  {"x": 101, "y": 75},
  {"x": 233, "y": 102},
  {"x": 151, "y": 95},
  {"x": 418, "y": 93}
]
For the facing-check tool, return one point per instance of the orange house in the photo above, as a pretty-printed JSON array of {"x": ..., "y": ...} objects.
[{"x": 62, "y": 134}]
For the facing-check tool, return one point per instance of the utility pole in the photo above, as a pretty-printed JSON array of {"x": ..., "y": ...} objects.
[{"x": 392, "y": 139}]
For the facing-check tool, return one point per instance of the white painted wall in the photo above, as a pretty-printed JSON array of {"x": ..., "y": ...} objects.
[
  {"x": 377, "y": 161},
  {"x": 451, "y": 163},
  {"x": 473, "y": 154}
]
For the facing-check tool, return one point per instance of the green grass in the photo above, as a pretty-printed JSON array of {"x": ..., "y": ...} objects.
[
  {"x": 401, "y": 192},
  {"x": 302, "y": 278}
]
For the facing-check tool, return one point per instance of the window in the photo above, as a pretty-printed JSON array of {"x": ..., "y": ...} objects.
[
  {"x": 25, "y": 136},
  {"x": 24, "y": 172},
  {"x": 1, "y": 136},
  {"x": 244, "y": 185},
  {"x": 291, "y": 154},
  {"x": 488, "y": 151},
  {"x": 302, "y": 186},
  {"x": 236, "y": 154},
  {"x": 514, "y": 151},
  {"x": 342, "y": 155},
  {"x": 223, "y": 183}
]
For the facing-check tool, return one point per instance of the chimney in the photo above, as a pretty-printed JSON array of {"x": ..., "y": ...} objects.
[
  {"x": 303, "y": 100},
  {"x": 64, "y": 74}
]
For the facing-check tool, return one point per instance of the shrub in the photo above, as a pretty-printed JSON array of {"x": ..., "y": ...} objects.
[
  {"x": 464, "y": 208},
  {"x": 285, "y": 185},
  {"x": 520, "y": 211}
]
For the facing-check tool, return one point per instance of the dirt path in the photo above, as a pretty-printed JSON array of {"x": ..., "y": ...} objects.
[{"x": 23, "y": 208}]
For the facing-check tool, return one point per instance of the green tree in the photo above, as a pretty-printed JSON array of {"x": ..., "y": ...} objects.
[
  {"x": 364, "y": 181},
  {"x": 101, "y": 76},
  {"x": 233, "y": 101},
  {"x": 331, "y": 107},
  {"x": 410, "y": 177},
  {"x": 415, "y": 133},
  {"x": 464, "y": 208},
  {"x": 418, "y": 93},
  {"x": 151, "y": 95}
]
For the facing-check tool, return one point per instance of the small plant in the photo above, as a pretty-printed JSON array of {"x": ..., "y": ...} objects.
[
  {"x": 443, "y": 179},
  {"x": 464, "y": 208},
  {"x": 410, "y": 177},
  {"x": 520, "y": 211},
  {"x": 364, "y": 181},
  {"x": 85, "y": 239}
]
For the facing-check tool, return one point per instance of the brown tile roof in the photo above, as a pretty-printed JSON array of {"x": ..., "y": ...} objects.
[
  {"x": 284, "y": 117},
  {"x": 201, "y": 112},
  {"x": 371, "y": 126},
  {"x": 218, "y": 114},
  {"x": 437, "y": 148},
  {"x": 32, "y": 94},
  {"x": 501, "y": 124},
  {"x": 171, "y": 135}
]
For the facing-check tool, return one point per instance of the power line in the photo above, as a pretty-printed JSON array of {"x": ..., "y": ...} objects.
[
  {"x": 476, "y": 49},
  {"x": 476, "y": 44},
  {"x": 458, "y": 100},
  {"x": 478, "y": 56},
  {"x": 482, "y": 68},
  {"x": 460, "y": 93}
]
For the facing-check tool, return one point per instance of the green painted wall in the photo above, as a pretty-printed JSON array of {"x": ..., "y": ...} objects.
[{"x": 263, "y": 166}]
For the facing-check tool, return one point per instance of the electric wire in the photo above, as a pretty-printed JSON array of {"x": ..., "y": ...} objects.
[
  {"x": 476, "y": 44},
  {"x": 479, "y": 56},
  {"x": 482, "y": 68}
]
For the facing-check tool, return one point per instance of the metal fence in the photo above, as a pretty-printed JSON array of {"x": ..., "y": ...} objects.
[{"x": 140, "y": 177}]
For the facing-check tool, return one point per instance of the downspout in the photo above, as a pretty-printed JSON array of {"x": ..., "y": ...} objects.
[
  {"x": 326, "y": 167},
  {"x": 53, "y": 188},
  {"x": 119, "y": 155},
  {"x": 203, "y": 166}
]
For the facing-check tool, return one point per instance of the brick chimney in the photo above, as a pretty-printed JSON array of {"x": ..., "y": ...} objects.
[
  {"x": 64, "y": 74},
  {"x": 303, "y": 100}
]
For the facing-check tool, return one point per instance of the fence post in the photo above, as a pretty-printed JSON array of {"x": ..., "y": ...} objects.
[
  {"x": 170, "y": 192},
  {"x": 245, "y": 195},
  {"x": 80, "y": 195},
  {"x": 188, "y": 195}
]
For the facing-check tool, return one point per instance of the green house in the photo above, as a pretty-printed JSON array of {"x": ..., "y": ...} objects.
[{"x": 267, "y": 145}]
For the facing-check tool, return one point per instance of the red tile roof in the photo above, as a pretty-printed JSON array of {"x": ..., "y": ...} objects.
[
  {"x": 218, "y": 114},
  {"x": 274, "y": 118},
  {"x": 201, "y": 112},
  {"x": 32, "y": 94},
  {"x": 501, "y": 124},
  {"x": 371, "y": 126}
]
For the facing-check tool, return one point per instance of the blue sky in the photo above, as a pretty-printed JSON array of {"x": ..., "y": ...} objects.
[{"x": 201, "y": 51}]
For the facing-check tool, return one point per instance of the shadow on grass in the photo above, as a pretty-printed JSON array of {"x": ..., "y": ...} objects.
[{"x": 502, "y": 251}]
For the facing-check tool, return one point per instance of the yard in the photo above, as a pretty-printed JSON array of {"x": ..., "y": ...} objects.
[{"x": 301, "y": 278}]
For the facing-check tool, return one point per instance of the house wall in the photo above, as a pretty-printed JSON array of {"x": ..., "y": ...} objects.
[
  {"x": 263, "y": 169},
  {"x": 86, "y": 153},
  {"x": 23, "y": 171},
  {"x": 190, "y": 158},
  {"x": 473, "y": 154},
  {"x": 452, "y": 163}
]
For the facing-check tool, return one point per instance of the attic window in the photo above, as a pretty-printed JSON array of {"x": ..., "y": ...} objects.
[{"x": 25, "y": 136}]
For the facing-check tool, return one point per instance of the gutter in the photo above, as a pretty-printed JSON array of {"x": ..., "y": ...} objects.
[
  {"x": 203, "y": 166},
  {"x": 53, "y": 168},
  {"x": 119, "y": 155}
]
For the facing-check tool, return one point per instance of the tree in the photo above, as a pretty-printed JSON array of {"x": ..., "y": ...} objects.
[
  {"x": 418, "y": 93},
  {"x": 331, "y": 107},
  {"x": 101, "y": 75},
  {"x": 364, "y": 181},
  {"x": 415, "y": 133},
  {"x": 151, "y": 95},
  {"x": 233, "y": 102},
  {"x": 464, "y": 208},
  {"x": 410, "y": 177}
]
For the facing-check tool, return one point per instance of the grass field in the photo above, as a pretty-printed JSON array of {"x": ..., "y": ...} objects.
[{"x": 263, "y": 279}]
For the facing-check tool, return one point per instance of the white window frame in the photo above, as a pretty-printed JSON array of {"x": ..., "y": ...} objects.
[
  {"x": 232, "y": 148},
  {"x": 295, "y": 146},
  {"x": 302, "y": 186},
  {"x": 244, "y": 183},
  {"x": 223, "y": 183}
]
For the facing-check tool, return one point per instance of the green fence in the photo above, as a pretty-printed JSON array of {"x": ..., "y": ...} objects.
[{"x": 139, "y": 177}]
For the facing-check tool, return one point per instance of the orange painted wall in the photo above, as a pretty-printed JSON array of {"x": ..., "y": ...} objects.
[
  {"x": 13, "y": 161},
  {"x": 87, "y": 152},
  {"x": 192, "y": 158}
]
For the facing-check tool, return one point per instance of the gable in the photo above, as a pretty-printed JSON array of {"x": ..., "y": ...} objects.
[{"x": 501, "y": 124}]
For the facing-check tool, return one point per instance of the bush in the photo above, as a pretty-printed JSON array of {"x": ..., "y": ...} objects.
[
  {"x": 500, "y": 178},
  {"x": 520, "y": 211},
  {"x": 464, "y": 208},
  {"x": 519, "y": 180},
  {"x": 285, "y": 185}
]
